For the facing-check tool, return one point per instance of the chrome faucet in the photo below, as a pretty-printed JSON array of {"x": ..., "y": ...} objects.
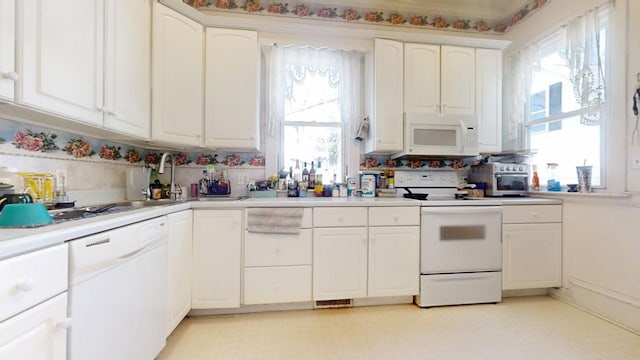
[{"x": 173, "y": 190}]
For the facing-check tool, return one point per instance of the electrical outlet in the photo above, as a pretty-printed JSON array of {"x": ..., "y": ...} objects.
[
  {"x": 635, "y": 164},
  {"x": 61, "y": 178},
  {"x": 243, "y": 179}
]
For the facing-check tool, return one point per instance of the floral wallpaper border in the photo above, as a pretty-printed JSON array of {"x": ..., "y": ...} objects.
[
  {"x": 313, "y": 11},
  {"x": 22, "y": 139},
  {"x": 384, "y": 162}
]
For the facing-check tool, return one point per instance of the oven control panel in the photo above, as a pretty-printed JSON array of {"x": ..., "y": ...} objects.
[{"x": 426, "y": 179}]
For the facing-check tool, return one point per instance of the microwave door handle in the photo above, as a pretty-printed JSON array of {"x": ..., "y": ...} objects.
[{"x": 463, "y": 141}]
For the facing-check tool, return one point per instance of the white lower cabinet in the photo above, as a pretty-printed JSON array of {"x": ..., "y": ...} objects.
[
  {"x": 217, "y": 237},
  {"x": 339, "y": 263},
  {"x": 277, "y": 284},
  {"x": 278, "y": 266},
  {"x": 39, "y": 333},
  {"x": 394, "y": 261},
  {"x": 179, "y": 253},
  {"x": 531, "y": 247},
  {"x": 33, "y": 305}
]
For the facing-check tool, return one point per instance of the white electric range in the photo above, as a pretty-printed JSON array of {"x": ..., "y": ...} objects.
[{"x": 460, "y": 241}]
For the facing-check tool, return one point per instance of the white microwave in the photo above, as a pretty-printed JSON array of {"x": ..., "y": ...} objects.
[{"x": 439, "y": 135}]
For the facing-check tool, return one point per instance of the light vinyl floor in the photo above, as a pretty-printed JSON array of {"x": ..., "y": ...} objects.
[{"x": 518, "y": 328}]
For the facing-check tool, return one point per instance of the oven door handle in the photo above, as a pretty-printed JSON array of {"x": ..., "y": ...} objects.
[{"x": 462, "y": 210}]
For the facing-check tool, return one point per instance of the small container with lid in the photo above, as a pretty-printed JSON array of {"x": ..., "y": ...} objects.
[{"x": 368, "y": 185}]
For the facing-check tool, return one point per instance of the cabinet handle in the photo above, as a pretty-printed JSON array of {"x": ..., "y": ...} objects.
[
  {"x": 444, "y": 109},
  {"x": 534, "y": 214},
  {"x": 438, "y": 108},
  {"x": 395, "y": 219},
  {"x": 11, "y": 75},
  {"x": 64, "y": 324},
  {"x": 26, "y": 284}
]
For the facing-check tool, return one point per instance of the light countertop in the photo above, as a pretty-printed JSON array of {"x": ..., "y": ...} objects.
[{"x": 18, "y": 241}]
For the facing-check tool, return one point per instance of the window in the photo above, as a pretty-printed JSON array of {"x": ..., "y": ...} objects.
[
  {"x": 564, "y": 106},
  {"x": 312, "y": 124},
  {"x": 314, "y": 100}
]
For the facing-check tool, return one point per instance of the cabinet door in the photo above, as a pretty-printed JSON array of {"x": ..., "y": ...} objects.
[
  {"x": 217, "y": 235},
  {"x": 8, "y": 74},
  {"x": 178, "y": 78},
  {"x": 61, "y": 66},
  {"x": 39, "y": 333},
  {"x": 394, "y": 260},
  {"x": 384, "y": 100},
  {"x": 422, "y": 78},
  {"x": 458, "y": 80},
  {"x": 489, "y": 99},
  {"x": 339, "y": 263},
  {"x": 127, "y": 67},
  {"x": 179, "y": 252},
  {"x": 531, "y": 256},
  {"x": 232, "y": 95}
]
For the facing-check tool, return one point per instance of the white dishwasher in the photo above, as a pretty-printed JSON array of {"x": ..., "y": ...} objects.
[{"x": 117, "y": 295}]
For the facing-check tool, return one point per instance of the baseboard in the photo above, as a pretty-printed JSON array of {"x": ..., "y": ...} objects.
[
  {"x": 616, "y": 308},
  {"x": 391, "y": 300},
  {"x": 525, "y": 292}
]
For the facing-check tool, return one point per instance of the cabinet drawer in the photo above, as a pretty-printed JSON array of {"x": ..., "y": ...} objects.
[
  {"x": 277, "y": 249},
  {"x": 391, "y": 216},
  {"x": 339, "y": 216},
  {"x": 29, "y": 279},
  {"x": 279, "y": 284},
  {"x": 306, "y": 218},
  {"x": 520, "y": 214}
]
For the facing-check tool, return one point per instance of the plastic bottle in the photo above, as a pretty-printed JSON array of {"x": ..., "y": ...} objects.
[
  {"x": 536, "y": 179},
  {"x": 204, "y": 183},
  {"x": 391, "y": 179},
  {"x": 553, "y": 184}
]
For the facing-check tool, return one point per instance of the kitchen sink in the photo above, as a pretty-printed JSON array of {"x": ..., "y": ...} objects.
[{"x": 146, "y": 203}]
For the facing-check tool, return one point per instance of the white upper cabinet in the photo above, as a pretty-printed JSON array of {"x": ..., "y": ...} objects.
[
  {"x": 385, "y": 97},
  {"x": 62, "y": 63},
  {"x": 422, "y": 78},
  {"x": 127, "y": 67},
  {"x": 178, "y": 78},
  {"x": 232, "y": 90},
  {"x": 8, "y": 75},
  {"x": 489, "y": 100},
  {"x": 439, "y": 79},
  {"x": 458, "y": 80},
  {"x": 70, "y": 50}
]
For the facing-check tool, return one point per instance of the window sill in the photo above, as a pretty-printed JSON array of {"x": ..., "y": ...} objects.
[{"x": 600, "y": 195}]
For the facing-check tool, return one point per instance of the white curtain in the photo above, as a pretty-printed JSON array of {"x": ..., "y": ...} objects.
[
  {"x": 343, "y": 68},
  {"x": 584, "y": 57},
  {"x": 519, "y": 68}
]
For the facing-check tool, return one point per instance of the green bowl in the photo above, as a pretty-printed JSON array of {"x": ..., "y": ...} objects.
[{"x": 19, "y": 215}]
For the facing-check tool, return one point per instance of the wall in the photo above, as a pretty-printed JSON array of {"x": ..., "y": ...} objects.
[
  {"x": 96, "y": 169},
  {"x": 600, "y": 241}
]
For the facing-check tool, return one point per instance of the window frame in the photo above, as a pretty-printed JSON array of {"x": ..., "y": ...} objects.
[{"x": 545, "y": 44}]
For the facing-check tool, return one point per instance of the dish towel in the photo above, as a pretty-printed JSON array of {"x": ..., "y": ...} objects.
[{"x": 274, "y": 221}]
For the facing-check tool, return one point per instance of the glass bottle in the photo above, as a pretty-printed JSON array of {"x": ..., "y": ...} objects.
[
  {"x": 318, "y": 186},
  {"x": 312, "y": 177},
  {"x": 305, "y": 174}
]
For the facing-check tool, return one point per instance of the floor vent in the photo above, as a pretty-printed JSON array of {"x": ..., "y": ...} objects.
[{"x": 339, "y": 303}]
